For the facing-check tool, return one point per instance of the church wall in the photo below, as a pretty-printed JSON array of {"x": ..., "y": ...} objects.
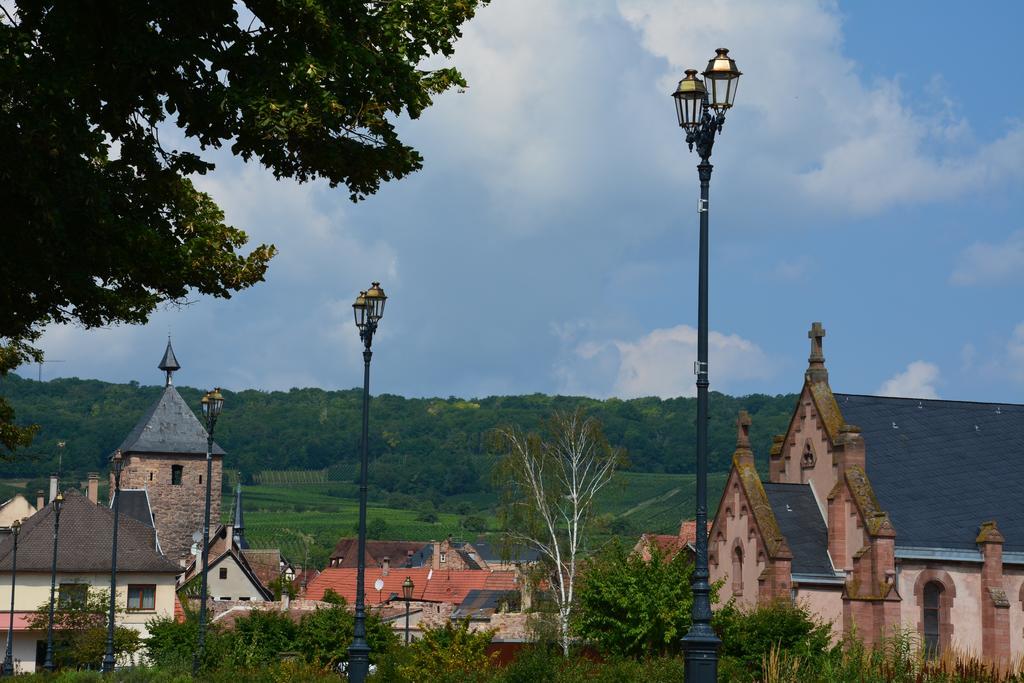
[
  {"x": 826, "y": 604},
  {"x": 807, "y": 435},
  {"x": 735, "y": 528},
  {"x": 1013, "y": 580},
  {"x": 965, "y": 612},
  {"x": 177, "y": 509}
]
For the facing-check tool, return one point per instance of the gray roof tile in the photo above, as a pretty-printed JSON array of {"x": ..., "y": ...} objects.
[
  {"x": 84, "y": 542},
  {"x": 169, "y": 426},
  {"x": 941, "y": 468},
  {"x": 800, "y": 521}
]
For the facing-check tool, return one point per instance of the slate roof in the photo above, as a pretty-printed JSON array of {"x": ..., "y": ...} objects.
[
  {"x": 84, "y": 541},
  {"x": 491, "y": 554},
  {"x": 135, "y": 504},
  {"x": 481, "y": 604},
  {"x": 169, "y": 426},
  {"x": 800, "y": 521},
  {"x": 941, "y": 468}
]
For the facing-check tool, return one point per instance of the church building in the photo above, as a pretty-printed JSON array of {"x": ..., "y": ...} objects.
[
  {"x": 165, "y": 465},
  {"x": 881, "y": 513}
]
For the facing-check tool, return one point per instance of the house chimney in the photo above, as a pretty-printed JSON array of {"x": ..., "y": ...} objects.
[
  {"x": 435, "y": 557},
  {"x": 40, "y": 500},
  {"x": 385, "y": 566},
  {"x": 93, "y": 491},
  {"x": 53, "y": 487}
]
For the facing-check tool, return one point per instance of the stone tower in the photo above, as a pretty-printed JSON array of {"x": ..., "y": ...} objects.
[{"x": 166, "y": 455}]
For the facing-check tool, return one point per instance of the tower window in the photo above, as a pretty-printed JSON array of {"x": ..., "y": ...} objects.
[
  {"x": 200, "y": 479},
  {"x": 176, "y": 471},
  {"x": 151, "y": 476}
]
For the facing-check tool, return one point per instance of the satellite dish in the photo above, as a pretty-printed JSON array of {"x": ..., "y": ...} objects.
[
  {"x": 196, "y": 536},
  {"x": 379, "y": 585}
]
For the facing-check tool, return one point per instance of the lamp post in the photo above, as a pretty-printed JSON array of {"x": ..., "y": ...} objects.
[
  {"x": 213, "y": 404},
  {"x": 8, "y": 669},
  {"x": 117, "y": 463},
  {"x": 701, "y": 115},
  {"x": 407, "y": 593},
  {"x": 368, "y": 310},
  {"x": 58, "y": 503}
]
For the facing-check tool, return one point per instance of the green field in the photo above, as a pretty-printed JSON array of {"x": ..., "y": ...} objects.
[
  {"x": 303, "y": 518},
  {"x": 304, "y": 514}
]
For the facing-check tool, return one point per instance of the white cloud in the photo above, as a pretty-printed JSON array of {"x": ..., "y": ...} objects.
[
  {"x": 661, "y": 364},
  {"x": 807, "y": 123},
  {"x": 1015, "y": 353},
  {"x": 917, "y": 381},
  {"x": 986, "y": 263}
]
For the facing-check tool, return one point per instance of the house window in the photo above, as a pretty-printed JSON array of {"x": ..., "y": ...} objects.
[
  {"x": 142, "y": 597},
  {"x": 223, "y": 572},
  {"x": 72, "y": 595},
  {"x": 930, "y": 617},
  {"x": 737, "y": 571},
  {"x": 176, "y": 471}
]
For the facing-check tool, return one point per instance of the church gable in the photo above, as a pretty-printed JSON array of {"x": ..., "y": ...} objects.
[{"x": 745, "y": 544}]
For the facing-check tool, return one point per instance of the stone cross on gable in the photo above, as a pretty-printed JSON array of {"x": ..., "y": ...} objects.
[
  {"x": 816, "y": 334},
  {"x": 743, "y": 430}
]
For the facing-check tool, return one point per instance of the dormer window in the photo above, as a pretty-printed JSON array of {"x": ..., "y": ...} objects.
[{"x": 444, "y": 557}]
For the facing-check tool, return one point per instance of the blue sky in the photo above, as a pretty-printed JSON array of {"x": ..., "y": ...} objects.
[{"x": 869, "y": 177}]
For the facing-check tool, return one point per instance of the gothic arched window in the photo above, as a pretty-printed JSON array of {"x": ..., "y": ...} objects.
[
  {"x": 737, "y": 571},
  {"x": 931, "y": 617}
]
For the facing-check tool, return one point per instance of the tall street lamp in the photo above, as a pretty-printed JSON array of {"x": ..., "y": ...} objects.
[
  {"x": 368, "y": 310},
  {"x": 701, "y": 114},
  {"x": 58, "y": 503},
  {"x": 213, "y": 404},
  {"x": 8, "y": 669},
  {"x": 117, "y": 463},
  {"x": 407, "y": 594}
]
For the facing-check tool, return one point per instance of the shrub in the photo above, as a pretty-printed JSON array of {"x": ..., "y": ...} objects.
[
  {"x": 749, "y": 635},
  {"x": 451, "y": 653}
]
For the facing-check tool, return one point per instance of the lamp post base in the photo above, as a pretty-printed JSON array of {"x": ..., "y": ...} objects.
[
  {"x": 701, "y": 657},
  {"x": 358, "y": 662},
  {"x": 8, "y": 668}
]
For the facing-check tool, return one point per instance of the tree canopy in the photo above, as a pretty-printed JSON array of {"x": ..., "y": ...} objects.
[{"x": 102, "y": 221}]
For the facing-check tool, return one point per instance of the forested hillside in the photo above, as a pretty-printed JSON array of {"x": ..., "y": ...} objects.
[{"x": 421, "y": 447}]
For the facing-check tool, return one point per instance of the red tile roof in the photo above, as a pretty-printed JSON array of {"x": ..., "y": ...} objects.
[
  {"x": 179, "y": 612},
  {"x": 21, "y": 620},
  {"x": 428, "y": 584}
]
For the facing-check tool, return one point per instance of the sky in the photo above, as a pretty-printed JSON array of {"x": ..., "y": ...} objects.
[{"x": 869, "y": 177}]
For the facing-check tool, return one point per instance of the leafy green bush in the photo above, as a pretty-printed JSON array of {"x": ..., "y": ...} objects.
[
  {"x": 749, "y": 635},
  {"x": 629, "y": 607}
]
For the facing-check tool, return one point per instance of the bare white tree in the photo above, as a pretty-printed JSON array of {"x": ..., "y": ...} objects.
[{"x": 550, "y": 482}]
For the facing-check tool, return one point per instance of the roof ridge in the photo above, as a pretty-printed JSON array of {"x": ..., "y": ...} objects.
[{"x": 931, "y": 400}]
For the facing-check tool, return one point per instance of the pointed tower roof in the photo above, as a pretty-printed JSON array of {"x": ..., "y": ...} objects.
[
  {"x": 169, "y": 363},
  {"x": 169, "y": 426},
  {"x": 237, "y": 522}
]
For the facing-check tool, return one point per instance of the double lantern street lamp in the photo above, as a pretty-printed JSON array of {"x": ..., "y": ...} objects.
[
  {"x": 407, "y": 594},
  {"x": 368, "y": 310},
  {"x": 58, "y": 503},
  {"x": 117, "y": 464},
  {"x": 701, "y": 106},
  {"x": 8, "y": 668},
  {"x": 213, "y": 404}
]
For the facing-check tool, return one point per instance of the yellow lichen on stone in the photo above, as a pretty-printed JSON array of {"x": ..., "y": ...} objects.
[
  {"x": 828, "y": 410},
  {"x": 761, "y": 509},
  {"x": 875, "y": 519}
]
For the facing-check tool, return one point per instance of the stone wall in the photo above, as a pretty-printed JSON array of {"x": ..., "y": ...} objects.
[{"x": 177, "y": 508}]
